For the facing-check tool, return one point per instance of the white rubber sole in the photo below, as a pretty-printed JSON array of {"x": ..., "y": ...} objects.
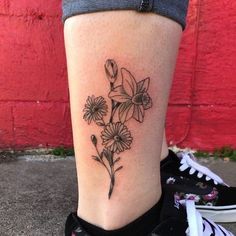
[{"x": 225, "y": 214}]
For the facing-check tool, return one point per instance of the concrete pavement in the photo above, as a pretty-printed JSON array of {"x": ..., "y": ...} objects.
[{"x": 38, "y": 192}]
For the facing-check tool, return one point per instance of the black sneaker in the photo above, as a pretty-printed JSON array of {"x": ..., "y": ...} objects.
[
  {"x": 178, "y": 218},
  {"x": 219, "y": 201}
]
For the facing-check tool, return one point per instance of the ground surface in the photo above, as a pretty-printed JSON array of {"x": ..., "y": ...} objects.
[{"x": 36, "y": 194}]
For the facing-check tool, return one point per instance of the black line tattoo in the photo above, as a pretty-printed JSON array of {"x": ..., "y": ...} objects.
[{"x": 129, "y": 100}]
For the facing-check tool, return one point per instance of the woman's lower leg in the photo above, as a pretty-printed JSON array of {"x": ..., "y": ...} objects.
[{"x": 118, "y": 119}]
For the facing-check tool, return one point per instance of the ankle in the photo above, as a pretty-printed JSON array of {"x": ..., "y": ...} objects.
[
  {"x": 164, "y": 148},
  {"x": 103, "y": 213},
  {"x": 142, "y": 225},
  {"x": 164, "y": 153}
]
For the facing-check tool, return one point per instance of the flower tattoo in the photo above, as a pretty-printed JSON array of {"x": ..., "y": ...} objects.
[
  {"x": 116, "y": 137},
  {"x": 129, "y": 100},
  {"x": 95, "y": 109},
  {"x": 133, "y": 97}
]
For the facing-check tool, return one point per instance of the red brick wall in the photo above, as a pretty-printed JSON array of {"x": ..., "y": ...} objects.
[
  {"x": 34, "y": 108},
  {"x": 33, "y": 85},
  {"x": 202, "y": 111}
]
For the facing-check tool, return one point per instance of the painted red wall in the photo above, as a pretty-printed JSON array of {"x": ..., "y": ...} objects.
[
  {"x": 202, "y": 111},
  {"x": 34, "y": 109}
]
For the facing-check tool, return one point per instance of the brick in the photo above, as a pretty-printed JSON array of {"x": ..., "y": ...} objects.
[
  {"x": 4, "y": 7},
  {"x": 212, "y": 127},
  {"x": 181, "y": 89},
  {"x": 32, "y": 59},
  {"x": 216, "y": 67},
  {"x": 37, "y": 9},
  {"x": 177, "y": 123},
  {"x": 33, "y": 68},
  {"x": 41, "y": 124}
]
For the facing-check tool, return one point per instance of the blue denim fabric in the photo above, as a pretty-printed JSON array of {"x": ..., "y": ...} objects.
[{"x": 173, "y": 9}]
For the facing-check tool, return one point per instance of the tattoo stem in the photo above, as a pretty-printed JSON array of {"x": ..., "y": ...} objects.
[
  {"x": 112, "y": 177},
  {"x": 111, "y": 186},
  {"x": 102, "y": 162},
  {"x": 112, "y": 104}
]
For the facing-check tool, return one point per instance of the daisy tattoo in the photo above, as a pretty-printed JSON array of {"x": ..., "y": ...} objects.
[{"x": 129, "y": 100}]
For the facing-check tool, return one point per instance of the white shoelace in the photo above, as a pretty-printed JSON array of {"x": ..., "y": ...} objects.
[
  {"x": 187, "y": 161},
  {"x": 199, "y": 226}
]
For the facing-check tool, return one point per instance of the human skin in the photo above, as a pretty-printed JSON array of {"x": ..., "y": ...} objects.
[
  {"x": 146, "y": 45},
  {"x": 164, "y": 147}
]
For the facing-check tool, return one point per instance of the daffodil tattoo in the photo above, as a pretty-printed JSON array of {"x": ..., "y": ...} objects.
[{"x": 129, "y": 100}]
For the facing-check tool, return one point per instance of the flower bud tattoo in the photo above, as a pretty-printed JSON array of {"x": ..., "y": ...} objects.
[
  {"x": 129, "y": 100},
  {"x": 111, "y": 70}
]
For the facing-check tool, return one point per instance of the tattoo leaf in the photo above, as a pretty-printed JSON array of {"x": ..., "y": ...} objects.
[
  {"x": 109, "y": 156},
  {"x": 96, "y": 158},
  {"x": 119, "y": 168},
  {"x": 100, "y": 123},
  {"x": 116, "y": 160}
]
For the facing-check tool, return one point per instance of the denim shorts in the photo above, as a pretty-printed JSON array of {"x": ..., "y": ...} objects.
[{"x": 173, "y": 9}]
